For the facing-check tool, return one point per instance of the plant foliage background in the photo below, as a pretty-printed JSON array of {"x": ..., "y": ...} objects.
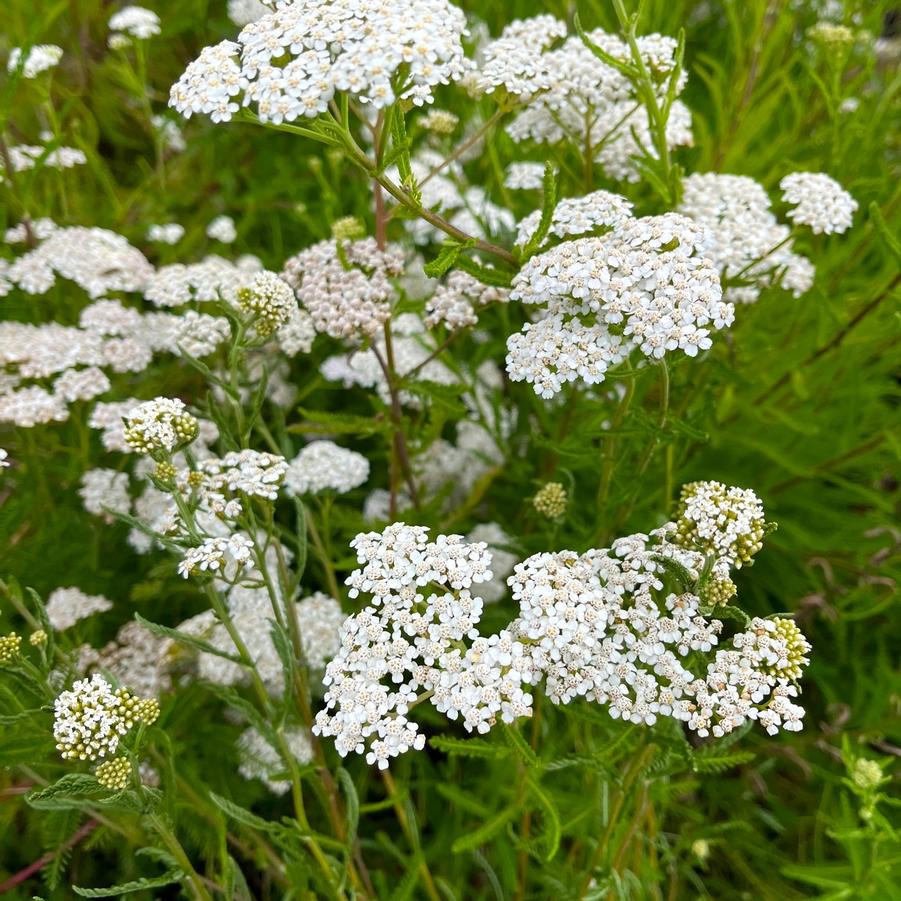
[{"x": 798, "y": 400}]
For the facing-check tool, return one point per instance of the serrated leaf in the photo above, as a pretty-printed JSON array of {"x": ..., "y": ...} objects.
[
  {"x": 322, "y": 422},
  {"x": 446, "y": 258},
  {"x": 183, "y": 638},
  {"x": 485, "y": 832},
  {"x": 554, "y": 830},
  {"x": 126, "y": 888},
  {"x": 67, "y": 792},
  {"x": 719, "y": 763},
  {"x": 242, "y": 815},
  {"x": 351, "y": 803},
  {"x": 467, "y": 747},
  {"x": 520, "y": 746}
]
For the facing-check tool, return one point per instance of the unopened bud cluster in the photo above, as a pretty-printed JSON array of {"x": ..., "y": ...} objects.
[
  {"x": 9, "y": 647},
  {"x": 114, "y": 774},
  {"x": 551, "y": 500}
]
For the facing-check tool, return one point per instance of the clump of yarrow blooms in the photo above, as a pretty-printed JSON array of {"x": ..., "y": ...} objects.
[
  {"x": 645, "y": 286},
  {"x": 614, "y": 626}
]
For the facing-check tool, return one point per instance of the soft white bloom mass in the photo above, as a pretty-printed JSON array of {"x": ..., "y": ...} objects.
[
  {"x": 39, "y": 58},
  {"x": 819, "y": 202},
  {"x": 601, "y": 625},
  {"x": 136, "y": 22},
  {"x": 291, "y": 62},
  {"x": 67, "y": 606},
  {"x": 647, "y": 286},
  {"x": 325, "y": 466},
  {"x": 747, "y": 238},
  {"x": 222, "y": 229},
  {"x": 346, "y": 301}
]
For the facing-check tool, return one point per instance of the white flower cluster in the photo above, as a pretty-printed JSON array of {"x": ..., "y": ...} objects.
[
  {"x": 225, "y": 557},
  {"x": 24, "y": 157},
  {"x": 516, "y": 62},
  {"x": 222, "y": 229},
  {"x": 160, "y": 424},
  {"x": 326, "y": 466},
  {"x": 259, "y": 760},
  {"x": 109, "y": 335},
  {"x": 255, "y": 473},
  {"x": 167, "y": 233},
  {"x": 574, "y": 96},
  {"x": 210, "y": 279},
  {"x": 747, "y": 237},
  {"x": 39, "y": 58},
  {"x": 291, "y": 62},
  {"x": 819, "y": 202},
  {"x": 269, "y": 300},
  {"x": 67, "y": 606},
  {"x": 91, "y": 718},
  {"x": 647, "y": 285},
  {"x": 104, "y": 492},
  {"x": 524, "y": 177},
  {"x": 606, "y": 626},
  {"x": 97, "y": 260},
  {"x": 346, "y": 302},
  {"x": 725, "y": 521},
  {"x": 575, "y": 216},
  {"x": 39, "y": 228},
  {"x": 406, "y": 641},
  {"x": 132, "y": 22},
  {"x": 455, "y": 301}
]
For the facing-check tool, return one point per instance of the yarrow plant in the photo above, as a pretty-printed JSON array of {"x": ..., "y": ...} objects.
[{"x": 336, "y": 393}]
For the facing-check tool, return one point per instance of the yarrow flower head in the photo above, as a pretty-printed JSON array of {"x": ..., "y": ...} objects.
[
  {"x": 39, "y": 58},
  {"x": 325, "y": 466},
  {"x": 255, "y": 473},
  {"x": 160, "y": 425},
  {"x": 747, "y": 237},
  {"x": 346, "y": 286},
  {"x": 408, "y": 639},
  {"x": 133, "y": 22},
  {"x": 67, "y": 606},
  {"x": 571, "y": 95},
  {"x": 819, "y": 201},
  {"x": 269, "y": 300},
  {"x": 91, "y": 718},
  {"x": 646, "y": 286},
  {"x": 716, "y": 519},
  {"x": 224, "y": 557},
  {"x": 222, "y": 229},
  {"x": 292, "y": 61}
]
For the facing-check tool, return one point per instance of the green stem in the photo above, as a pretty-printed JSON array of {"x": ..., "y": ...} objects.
[{"x": 174, "y": 846}]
